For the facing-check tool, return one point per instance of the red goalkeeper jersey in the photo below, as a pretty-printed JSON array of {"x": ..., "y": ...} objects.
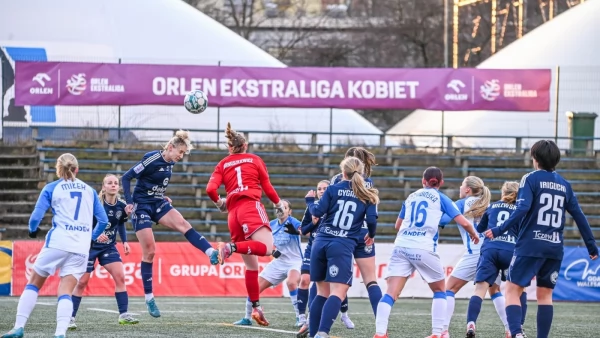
[{"x": 244, "y": 175}]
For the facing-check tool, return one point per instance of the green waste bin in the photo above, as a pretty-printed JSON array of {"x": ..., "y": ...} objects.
[{"x": 580, "y": 124}]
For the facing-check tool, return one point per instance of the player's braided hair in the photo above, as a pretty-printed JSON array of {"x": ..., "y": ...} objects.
[
  {"x": 509, "y": 192},
  {"x": 478, "y": 189},
  {"x": 236, "y": 141},
  {"x": 102, "y": 192},
  {"x": 367, "y": 158},
  {"x": 354, "y": 169},
  {"x": 66, "y": 166}
]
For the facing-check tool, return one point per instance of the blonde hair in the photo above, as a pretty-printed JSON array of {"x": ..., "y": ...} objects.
[
  {"x": 509, "y": 192},
  {"x": 354, "y": 169},
  {"x": 66, "y": 166},
  {"x": 367, "y": 158},
  {"x": 101, "y": 193},
  {"x": 181, "y": 138},
  {"x": 478, "y": 189},
  {"x": 235, "y": 141}
]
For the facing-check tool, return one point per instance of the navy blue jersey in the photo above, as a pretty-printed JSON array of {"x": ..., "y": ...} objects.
[
  {"x": 368, "y": 184},
  {"x": 116, "y": 223},
  {"x": 307, "y": 226},
  {"x": 344, "y": 214},
  {"x": 495, "y": 215},
  {"x": 153, "y": 174},
  {"x": 543, "y": 198}
]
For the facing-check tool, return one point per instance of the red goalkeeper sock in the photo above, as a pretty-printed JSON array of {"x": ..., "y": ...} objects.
[
  {"x": 252, "y": 286},
  {"x": 251, "y": 248}
]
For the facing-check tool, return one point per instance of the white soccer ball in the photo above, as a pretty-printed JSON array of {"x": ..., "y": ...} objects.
[{"x": 195, "y": 101}]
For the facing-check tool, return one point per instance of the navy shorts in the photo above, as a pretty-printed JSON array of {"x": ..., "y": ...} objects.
[
  {"x": 144, "y": 215},
  {"x": 305, "y": 268},
  {"x": 331, "y": 260},
  {"x": 362, "y": 250},
  {"x": 106, "y": 255},
  {"x": 491, "y": 263},
  {"x": 522, "y": 270}
]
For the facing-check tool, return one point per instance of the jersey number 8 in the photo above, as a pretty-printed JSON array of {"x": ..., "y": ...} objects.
[
  {"x": 554, "y": 202},
  {"x": 344, "y": 217}
]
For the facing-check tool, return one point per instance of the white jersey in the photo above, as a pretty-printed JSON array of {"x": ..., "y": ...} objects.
[
  {"x": 74, "y": 205},
  {"x": 465, "y": 205},
  {"x": 421, "y": 214},
  {"x": 288, "y": 245}
]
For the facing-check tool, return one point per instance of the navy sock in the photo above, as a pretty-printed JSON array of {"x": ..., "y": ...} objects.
[
  {"x": 302, "y": 300},
  {"x": 76, "y": 301},
  {"x": 513, "y": 316},
  {"x": 474, "y": 309},
  {"x": 330, "y": 312},
  {"x": 544, "y": 320},
  {"x": 312, "y": 293},
  {"x": 316, "y": 309},
  {"x": 197, "y": 240},
  {"x": 523, "y": 307},
  {"x": 146, "y": 272},
  {"x": 374, "y": 295},
  {"x": 122, "y": 301},
  {"x": 344, "y": 306}
]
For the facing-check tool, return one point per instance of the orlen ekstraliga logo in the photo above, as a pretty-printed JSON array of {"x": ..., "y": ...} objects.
[{"x": 77, "y": 84}]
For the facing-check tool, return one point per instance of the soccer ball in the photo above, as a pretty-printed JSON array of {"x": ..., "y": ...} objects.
[{"x": 195, "y": 101}]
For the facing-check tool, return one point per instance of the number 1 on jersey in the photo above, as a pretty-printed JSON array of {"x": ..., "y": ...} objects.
[{"x": 238, "y": 170}]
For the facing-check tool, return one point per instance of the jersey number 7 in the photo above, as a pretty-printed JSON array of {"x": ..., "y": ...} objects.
[{"x": 76, "y": 194}]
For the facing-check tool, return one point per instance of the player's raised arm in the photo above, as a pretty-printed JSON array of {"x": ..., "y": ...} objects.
[
  {"x": 265, "y": 182},
  {"x": 524, "y": 199},
  {"x": 320, "y": 207},
  {"x": 582, "y": 223},
  {"x": 215, "y": 181},
  {"x": 449, "y": 208}
]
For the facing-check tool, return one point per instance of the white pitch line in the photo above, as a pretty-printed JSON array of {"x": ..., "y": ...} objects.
[
  {"x": 111, "y": 311},
  {"x": 256, "y": 328},
  {"x": 44, "y": 303}
]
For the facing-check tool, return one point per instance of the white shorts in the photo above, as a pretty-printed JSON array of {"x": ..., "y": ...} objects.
[
  {"x": 405, "y": 261},
  {"x": 277, "y": 270},
  {"x": 466, "y": 267},
  {"x": 50, "y": 259}
]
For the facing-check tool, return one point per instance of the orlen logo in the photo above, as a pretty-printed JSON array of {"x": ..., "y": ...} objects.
[
  {"x": 77, "y": 84},
  {"x": 132, "y": 272},
  {"x": 41, "y": 89},
  {"x": 29, "y": 261},
  {"x": 456, "y": 86}
]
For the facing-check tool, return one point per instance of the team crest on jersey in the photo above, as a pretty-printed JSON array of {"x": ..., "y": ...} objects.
[
  {"x": 333, "y": 270},
  {"x": 119, "y": 214},
  {"x": 166, "y": 181},
  {"x": 245, "y": 228},
  {"x": 368, "y": 249},
  {"x": 554, "y": 277}
]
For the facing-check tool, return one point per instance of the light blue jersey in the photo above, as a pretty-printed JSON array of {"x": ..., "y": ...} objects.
[
  {"x": 288, "y": 245},
  {"x": 464, "y": 205},
  {"x": 421, "y": 214},
  {"x": 74, "y": 205}
]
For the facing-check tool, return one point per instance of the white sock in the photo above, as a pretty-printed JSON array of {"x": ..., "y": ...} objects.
[
  {"x": 209, "y": 251},
  {"x": 26, "y": 305},
  {"x": 500, "y": 305},
  {"x": 438, "y": 312},
  {"x": 449, "y": 309},
  {"x": 294, "y": 299},
  {"x": 345, "y": 314},
  {"x": 384, "y": 307},
  {"x": 63, "y": 314},
  {"x": 149, "y": 296},
  {"x": 248, "y": 309}
]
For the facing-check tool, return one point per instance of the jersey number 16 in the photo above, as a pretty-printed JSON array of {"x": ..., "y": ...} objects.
[{"x": 344, "y": 217}]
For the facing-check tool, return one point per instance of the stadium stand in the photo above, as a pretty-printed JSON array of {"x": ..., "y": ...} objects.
[{"x": 26, "y": 169}]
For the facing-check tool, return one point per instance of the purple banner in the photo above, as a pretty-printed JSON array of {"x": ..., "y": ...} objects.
[{"x": 82, "y": 84}]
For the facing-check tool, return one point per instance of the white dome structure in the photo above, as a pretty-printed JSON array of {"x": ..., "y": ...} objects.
[
  {"x": 141, "y": 31},
  {"x": 569, "y": 41}
]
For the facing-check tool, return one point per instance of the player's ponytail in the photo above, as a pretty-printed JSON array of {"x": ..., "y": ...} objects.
[
  {"x": 433, "y": 177},
  {"x": 367, "y": 158},
  {"x": 66, "y": 167},
  {"x": 354, "y": 169},
  {"x": 478, "y": 189},
  {"x": 181, "y": 138},
  {"x": 236, "y": 141},
  {"x": 509, "y": 192}
]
